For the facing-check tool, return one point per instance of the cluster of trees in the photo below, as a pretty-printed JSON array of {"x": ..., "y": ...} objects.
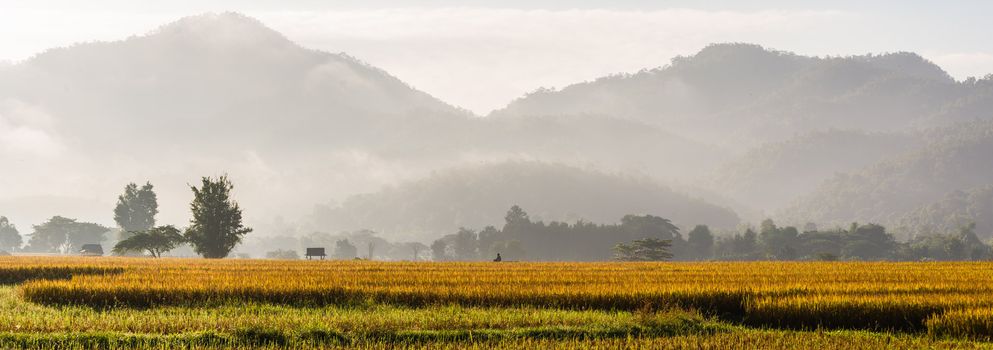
[
  {"x": 935, "y": 188},
  {"x": 520, "y": 238},
  {"x": 652, "y": 238},
  {"x": 215, "y": 229},
  {"x": 477, "y": 196},
  {"x": 10, "y": 238},
  {"x": 858, "y": 242}
]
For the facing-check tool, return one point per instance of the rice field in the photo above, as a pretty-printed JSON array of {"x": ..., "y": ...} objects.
[{"x": 193, "y": 303}]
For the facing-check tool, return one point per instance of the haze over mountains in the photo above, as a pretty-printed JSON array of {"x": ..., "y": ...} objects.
[{"x": 732, "y": 134}]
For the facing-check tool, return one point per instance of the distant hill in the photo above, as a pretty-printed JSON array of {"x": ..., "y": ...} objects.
[
  {"x": 222, "y": 93},
  {"x": 477, "y": 196},
  {"x": 742, "y": 94},
  {"x": 742, "y": 125},
  {"x": 954, "y": 159},
  {"x": 772, "y": 175},
  {"x": 219, "y": 80}
]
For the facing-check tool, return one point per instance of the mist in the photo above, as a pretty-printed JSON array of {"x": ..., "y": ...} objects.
[{"x": 346, "y": 133}]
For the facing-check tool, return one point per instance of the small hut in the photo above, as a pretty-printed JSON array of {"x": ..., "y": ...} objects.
[{"x": 314, "y": 252}]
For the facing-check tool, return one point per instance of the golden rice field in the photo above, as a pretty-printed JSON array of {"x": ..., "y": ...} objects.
[{"x": 193, "y": 303}]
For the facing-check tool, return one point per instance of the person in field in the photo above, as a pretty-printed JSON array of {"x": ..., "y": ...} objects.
[{"x": 498, "y": 258}]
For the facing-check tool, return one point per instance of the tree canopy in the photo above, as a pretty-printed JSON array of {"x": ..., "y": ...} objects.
[
  {"x": 10, "y": 239},
  {"x": 136, "y": 208},
  {"x": 62, "y": 235},
  {"x": 645, "y": 249},
  {"x": 155, "y": 241},
  {"x": 216, "y": 227}
]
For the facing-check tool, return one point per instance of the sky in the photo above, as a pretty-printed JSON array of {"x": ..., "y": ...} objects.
[{"x": 480, "y": 55}]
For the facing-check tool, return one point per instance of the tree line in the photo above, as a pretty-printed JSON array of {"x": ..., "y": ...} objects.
[
  {"x": 648, "y": 237},
  {"x": 215, "y": 228}
]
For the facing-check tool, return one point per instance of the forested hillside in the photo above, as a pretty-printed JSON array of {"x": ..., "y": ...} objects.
[
  {"x": 742, "y": 94},
  {"x": 771, "y": 176},
  {"x": 477, "y": 196},
  {"x": 887, "y": 138},
  {"x": 222, "y": 93},
  {"x": 954, "y": 159}
]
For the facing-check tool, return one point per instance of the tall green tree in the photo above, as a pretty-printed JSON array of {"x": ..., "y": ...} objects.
[
  {"x": 216, "y": 227},
  {"x": 10, "y": 239},
  {"x": 136, "y": 209},
  {"x": 155, "y": 241},
  {"x": 63, "y": 235}
]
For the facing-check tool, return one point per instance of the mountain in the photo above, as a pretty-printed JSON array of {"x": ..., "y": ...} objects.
[
  {"x": 772, "y": 175},
  {"x": 219, "y": 81},
  {"x": 477, "y": 196},
  {"x": 741, "y": 125},
  {"x": 955, "y": 158},
  {"x": 222, "y": 93},
  {"x": 742, "y": 95}
]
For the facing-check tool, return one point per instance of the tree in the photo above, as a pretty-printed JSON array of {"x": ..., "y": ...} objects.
[
  {"x": 216, "y": 227},
  {"x": 748, "y": 243},
  {"x": 155, "y": 241},
  {"x": 465, "y": 244},
  {"x": 486, "y": 238},
  {"x": 650, "y": 226},
  {"x": 439, "y": 250},
  {"x": 516, "y": 216},
  {"x": 701, "y": 242},
  {"x": 868, "y": 242},
  {"x": 136, "y": 209},
  {"x": 779, "y": 242},
  {"x": 345, "y": 250},
  {"x": 516, "y": 223},
  {"x": 61, "y": 235},
  {"x": 10, "y": 239},
  {"x": 647, "y": 249}
]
